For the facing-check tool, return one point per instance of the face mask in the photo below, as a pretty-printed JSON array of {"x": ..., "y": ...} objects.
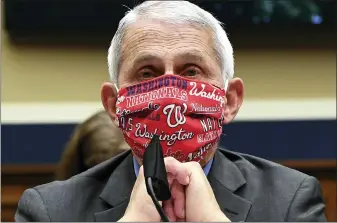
[{"x": 187, "y": 115}]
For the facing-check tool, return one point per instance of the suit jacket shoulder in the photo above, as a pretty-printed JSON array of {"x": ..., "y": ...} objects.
[
  {"x": 75, "y": 199},
  {"x": 276, "y": 192}
]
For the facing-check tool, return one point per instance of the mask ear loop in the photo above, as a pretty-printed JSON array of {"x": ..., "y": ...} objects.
[
  {"x": 226, "y": 85},
  {"x": 117, "y": 89}
]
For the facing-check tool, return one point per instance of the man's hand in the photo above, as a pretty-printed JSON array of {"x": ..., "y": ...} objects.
[
  {"x": 142, "y": 209},
  {"x": 201, "y": 205},
  {"x": 175, "y": 207}
]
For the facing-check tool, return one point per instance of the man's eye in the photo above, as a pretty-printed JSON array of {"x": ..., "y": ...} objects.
[
  {"x": 146, "y": 73},
  {"x": 191, "y": 72}
]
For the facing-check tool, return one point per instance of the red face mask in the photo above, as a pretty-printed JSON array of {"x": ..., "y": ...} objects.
[{"x": 187, "y": 115}]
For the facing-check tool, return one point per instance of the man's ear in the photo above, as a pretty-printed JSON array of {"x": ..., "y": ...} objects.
[
  {"x": 234, "y": 99},
  {"x": 109, "y": 98}
]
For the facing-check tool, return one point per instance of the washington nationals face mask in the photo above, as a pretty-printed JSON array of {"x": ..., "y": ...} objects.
[{"x": 187, "y": 115}]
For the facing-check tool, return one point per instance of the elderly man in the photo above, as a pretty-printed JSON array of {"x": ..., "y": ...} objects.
[{"x": 172, "y": 66}]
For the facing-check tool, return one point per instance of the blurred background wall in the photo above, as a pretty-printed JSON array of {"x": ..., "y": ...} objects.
[
  {"x": 51, "y": 82},
  {"x": 48, "y": 73}
]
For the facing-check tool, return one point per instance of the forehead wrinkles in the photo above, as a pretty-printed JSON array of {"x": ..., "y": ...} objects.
[{"x": 140, "y": 37}]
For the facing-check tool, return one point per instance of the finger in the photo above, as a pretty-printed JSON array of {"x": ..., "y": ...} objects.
[
  {"x": 169, "y": 210},
  {"x": 178, "y": 196},
  {"x": 180, "y": 220},
  {"x": 140, "y": 173},
  {"x": 170, "y": 178},
  {"x": 179, "y": 170},
  {"x": 138, "y": 182}
]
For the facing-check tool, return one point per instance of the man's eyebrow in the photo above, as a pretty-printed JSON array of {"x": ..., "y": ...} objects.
[
  {"x": 191, "y": 56},
  {"x": 144, "y": 58}
]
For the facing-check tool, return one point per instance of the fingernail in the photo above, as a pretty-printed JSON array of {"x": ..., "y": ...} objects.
[{"x": 187, "y": 180}]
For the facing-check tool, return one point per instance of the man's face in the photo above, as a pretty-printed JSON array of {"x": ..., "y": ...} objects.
[{"x": 151, "y": 49}]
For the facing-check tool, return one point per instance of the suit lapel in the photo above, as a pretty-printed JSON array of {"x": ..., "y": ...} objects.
[
  {"x": 225, "y": 178},
  {"x": 117, "y": 191}
]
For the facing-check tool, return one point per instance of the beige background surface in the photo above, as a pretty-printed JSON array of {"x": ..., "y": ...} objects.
[{"x": 60, "y": 74}]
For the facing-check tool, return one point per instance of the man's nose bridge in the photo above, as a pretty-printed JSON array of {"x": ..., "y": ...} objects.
[{"x": 169, "y": 66}]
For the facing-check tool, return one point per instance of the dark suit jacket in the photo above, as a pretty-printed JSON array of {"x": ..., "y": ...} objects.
[{"x": 247, "y": 188}]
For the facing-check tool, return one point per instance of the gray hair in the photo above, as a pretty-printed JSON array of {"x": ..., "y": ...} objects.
[{"x": 173, "y": 12}]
